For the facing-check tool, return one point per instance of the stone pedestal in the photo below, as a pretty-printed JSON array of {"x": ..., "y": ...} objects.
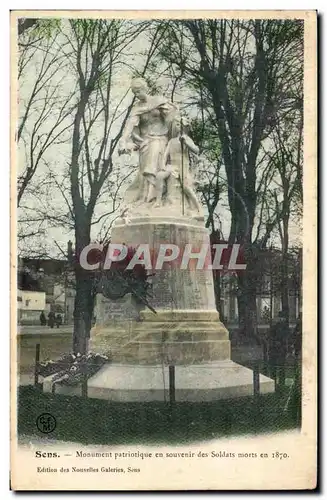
[
  {"x": 186, "y": 327},
  {"x": 185, "y": 331},
  {"x": 178, "y": 337}
]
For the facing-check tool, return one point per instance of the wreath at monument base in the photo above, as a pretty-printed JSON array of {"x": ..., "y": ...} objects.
[
  {"x": 73, "y": 370},
  {"x": 119, "y": 280}
]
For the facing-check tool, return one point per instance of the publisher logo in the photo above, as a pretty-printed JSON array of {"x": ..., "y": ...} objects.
[{"x": 46, "y": 423}]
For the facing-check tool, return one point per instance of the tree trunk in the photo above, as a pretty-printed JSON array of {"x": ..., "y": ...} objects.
[
  {"x": 83, "y": 311},
  {"x": 217, "y": 289},
  {"x": 247, "y": 308},
  {"x": 83, "y": 307},
  {"x": 247, "y": 294},
  {"x": 284, "y": 288},
  {"x": 284, "y": 264},
  {"x": 285, "y": 282}
]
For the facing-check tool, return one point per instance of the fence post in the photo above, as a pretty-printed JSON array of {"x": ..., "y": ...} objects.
[
  {"x": 171, "y": 384},
  {"x": 256, "y": 379},
  {"x": 265, "y": 358},
  {"x": 84, "y": 387},
  {"x": 37, "y": 364}
]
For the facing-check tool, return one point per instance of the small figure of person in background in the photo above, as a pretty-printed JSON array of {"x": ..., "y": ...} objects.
[
  {"x": 266, "y": 315},
  {"x": 51, "y": 319},
  {"x": 58, "y": 320},
  {"x": 43, "y": 319}
]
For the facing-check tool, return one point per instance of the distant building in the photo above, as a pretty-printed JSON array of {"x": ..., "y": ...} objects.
[
  {"x": 47, "y": 278},
  {"x": 30, "y": 304},
  {"x": 52, "y": 279}
]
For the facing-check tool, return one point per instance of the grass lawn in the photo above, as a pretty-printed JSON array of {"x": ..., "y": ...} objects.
[{"x": 91, "y": 421}]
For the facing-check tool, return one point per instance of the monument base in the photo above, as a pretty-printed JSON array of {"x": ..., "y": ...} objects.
[
  {"x": 185, "y": 328},
  {"x": 193, "y": 383},
  {"x": 169, "y": 337},
  {"x": 185, "y": 331}
]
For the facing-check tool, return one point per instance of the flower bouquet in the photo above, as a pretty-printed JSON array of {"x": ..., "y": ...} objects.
[{"x": 73, "y": 369}]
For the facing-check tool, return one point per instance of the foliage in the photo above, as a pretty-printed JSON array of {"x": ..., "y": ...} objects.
[
  {"x": 243, "y": 74},
  {"x": 113, "y": 422},
  {"x": 246, "y": 78},
  {"x": 240, "y": 82}
]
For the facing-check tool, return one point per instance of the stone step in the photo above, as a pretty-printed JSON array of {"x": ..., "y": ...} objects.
[
  {"x": 178, "y": 334},
  {"x": 179, "y": 325},
  {"x": 176, "y": 352},
  {"x": 196, "y": 383}
]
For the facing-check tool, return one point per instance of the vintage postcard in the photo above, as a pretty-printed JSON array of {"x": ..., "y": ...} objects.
[{"x": 163, "y": 271}]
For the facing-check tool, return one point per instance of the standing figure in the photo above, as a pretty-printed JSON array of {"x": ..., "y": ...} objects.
[
  {"x": 51, "y": 319},
  {"x": 176, "y": 164},
  {"x": 147, "y": 132},
  {"x": 43, "y": 319},
  {"x": 58, "y": 320}
]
